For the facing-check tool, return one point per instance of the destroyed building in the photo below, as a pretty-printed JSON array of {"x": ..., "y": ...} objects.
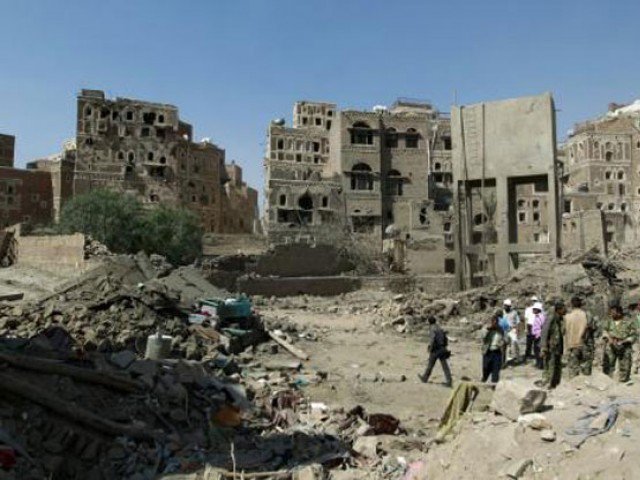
[
  {"x": 367, "y": 171},
  {"x": 506, "y": 194},
  {"x": 143, "y": 148},
  {"x": 601, "y": 161},
  {"x": 60, "y": 167}
]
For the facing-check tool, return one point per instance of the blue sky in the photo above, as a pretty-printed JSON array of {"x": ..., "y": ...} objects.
[{"x": 231, "y": 66}]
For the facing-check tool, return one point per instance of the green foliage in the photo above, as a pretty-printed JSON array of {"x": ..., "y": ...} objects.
[
  {"x": 174, "y": 233},
  {"x": 110, "y": 217},
  {"x": 124, "y": 226}
]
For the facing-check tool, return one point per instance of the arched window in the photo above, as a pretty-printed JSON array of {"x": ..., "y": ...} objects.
[
  {"x": 283, "y": 200},
  {"x": 522, "y": 203},
  {"x": 611, "y": 206},
  {"x": 120, "y": 155},
  {"x": 361, "y": 177},
  {"x": 620, "y": 174},
  {"x": 623, "y": 207},
  {"x": 535, "y": 203},
  {"x": 394, "y": 183},
  {"x": 437, "y": 166},
  {"x": 325, "y": 202},
  {"x": 361, "y": 134},
  {"x": 391, "y": 139},
  {"x": 88, "y": 111},
  {"x": 412, "y": 138},
  {"x": 131, "y": 156}
]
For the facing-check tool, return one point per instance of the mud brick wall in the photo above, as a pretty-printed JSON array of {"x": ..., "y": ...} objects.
[{"x": 52, "y": 252}]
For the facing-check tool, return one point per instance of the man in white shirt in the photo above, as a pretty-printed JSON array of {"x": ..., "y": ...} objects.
[{"x": 528, "y": 318}]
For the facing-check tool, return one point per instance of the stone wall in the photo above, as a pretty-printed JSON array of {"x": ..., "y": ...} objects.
[
  {"x": 582, "y": 231},
  {"x": 52, "y": 252}
]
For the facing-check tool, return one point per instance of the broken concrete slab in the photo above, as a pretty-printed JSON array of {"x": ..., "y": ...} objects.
[{"x": 516, "y": 397}]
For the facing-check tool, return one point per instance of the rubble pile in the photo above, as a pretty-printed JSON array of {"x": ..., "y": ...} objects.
[
  {"x": 94, "y": 248},
  {"x": 585, "y": 427}
]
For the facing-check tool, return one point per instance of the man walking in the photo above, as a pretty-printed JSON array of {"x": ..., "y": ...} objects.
[
  {"x": 528, "y": 318},
  {"x": 619, "y": 335},
  {"x": 492, "y": 344},
  {"x": 552, "y": 345},
  {"x": 512, "y": 318},
  {"x": 576, "y": 328},
  {"x": 437, "y": 351}
]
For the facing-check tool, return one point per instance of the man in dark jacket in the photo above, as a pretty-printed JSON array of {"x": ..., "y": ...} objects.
[{"x": 437, "y": 351}]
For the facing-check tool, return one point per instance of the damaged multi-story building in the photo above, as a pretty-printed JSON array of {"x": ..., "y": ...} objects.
[
  {"x": 367, "y": 171},
  {"x": 144, "y": 148},
  {"x": 601, "y": 160}
]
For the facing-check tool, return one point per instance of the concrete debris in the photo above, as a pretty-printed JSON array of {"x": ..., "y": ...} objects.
[{"x": 516, "y": 397}]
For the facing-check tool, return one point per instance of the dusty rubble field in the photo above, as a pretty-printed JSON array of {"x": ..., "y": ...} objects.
[{"x": 231, "y": 401}]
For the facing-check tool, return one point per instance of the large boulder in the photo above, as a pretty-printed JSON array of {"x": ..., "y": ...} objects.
[{"x": 516, "y": 397}]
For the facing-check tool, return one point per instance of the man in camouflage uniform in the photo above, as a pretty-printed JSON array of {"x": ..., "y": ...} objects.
[
  {"x": 552, "y": 345},
  {"x": 632, "y": 300},
  {"x": 590, "y": 337},
  {"x": 619, "y": 334},
  {"x": 576, "y": 324}
]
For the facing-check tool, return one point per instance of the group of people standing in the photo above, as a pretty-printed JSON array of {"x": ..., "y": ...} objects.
[{"x": 549, "y": 337}]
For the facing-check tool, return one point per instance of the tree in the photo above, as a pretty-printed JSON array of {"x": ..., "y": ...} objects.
[
  {"x": 110, "y": 217},
  {"x": 172, "y": 232}
]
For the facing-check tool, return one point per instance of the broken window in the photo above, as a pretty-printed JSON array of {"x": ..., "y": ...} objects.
[
  {"x": 305, "y": 202},
  {"x": 129, "y": 115},
  {"x": 623, "y": 207},
  {"x": 316, "y": 159},
  {"x": 88, "y": 111},
  {"x": 163, "y": 160},
  {"x": 330, "y": 114},
  {"x": 316, "y": 146},
  {"x": 88, "y": 141},
  {"x": 361, "y": 177},
  {"x": 114, "y": 115},
  {"x": 361, "y": 134},
  {"x": 160, "y": 118},
  {"x": 394, "y": 183},
  {"x": 567, "y": 206},
  {"x": 150, "y": 156},
  {"x": 412, "y": 137},
  {"x": 437, "y": 166},
  {"x": 131, "y": 157},
  {"x": 149, "y": 118},
  {"x": 325, "y": 202},
  {"x": 479, "y": 219},
  {"x": 283, "y": 200},
  {"x": 305, "y": 120},
  {"x": 449, "y": 265},
  {"x": 423, "y": 216},
  {"x": 391, "y": 139},
  {"x": 536, "y": 216},
  {"x": 280, "y": 144},
  {"x": 446, "y": 226},
  {"x": 120, "y": 155},
  {"x": 318, "y": 122},
  {"x": 363, "y": 224},
  {"x": 298, "y": 157},
  {"x": 446, "y": 140}
]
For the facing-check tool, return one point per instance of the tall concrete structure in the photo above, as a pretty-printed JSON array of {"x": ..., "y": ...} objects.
[
  {"x": 143, "y": 148},
  {"x": 506, "y": 193},
  {"x": 7, "y": 150},
  {"x": 366, "y": 171}
]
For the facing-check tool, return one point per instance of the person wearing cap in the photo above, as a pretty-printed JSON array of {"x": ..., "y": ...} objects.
[
  {"x": 619, "y": 334},
  {"x": 576, "y": 324},
  {"x": 437, "y": 351},
  {"x": 539, "y": 319},
  {"x": 492, "y": 344},
  {"x": 528, "y": 318},
  {"x": 552, "y": 345},
  {"x": 512, "y": 319}
]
